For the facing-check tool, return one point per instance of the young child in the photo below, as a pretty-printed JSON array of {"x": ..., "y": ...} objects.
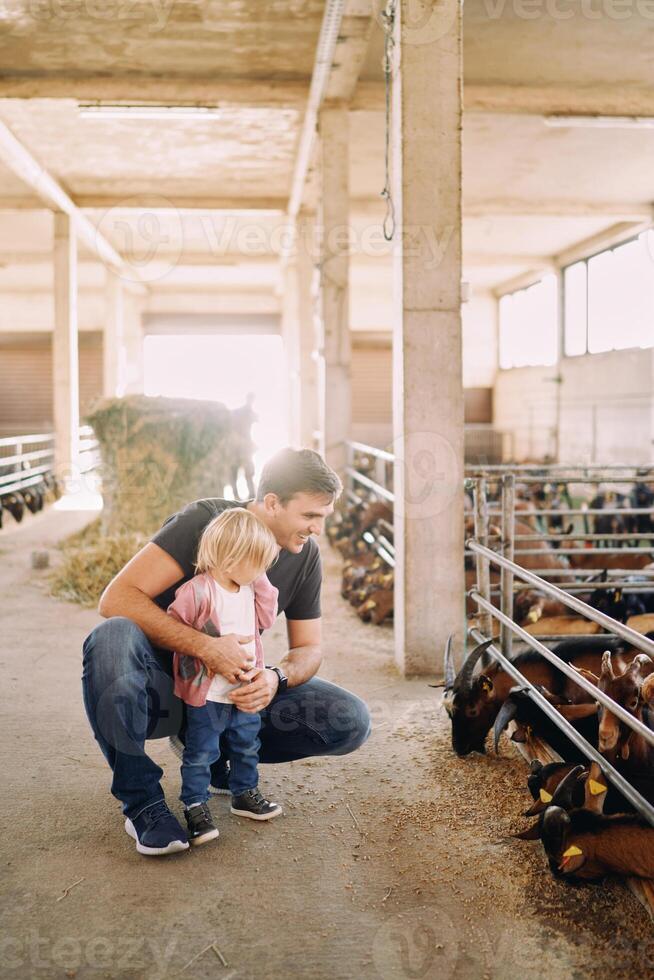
[{"x": 229, "y": 594}]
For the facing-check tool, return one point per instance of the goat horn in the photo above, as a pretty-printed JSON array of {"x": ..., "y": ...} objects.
[
  {"x": 607, "y": 666},
  {"x": 563, "y": 792},
  {"x": 463, "y": 680},
  {"x": 448, "y": 665},
  {"x": 508, "y": 711}
]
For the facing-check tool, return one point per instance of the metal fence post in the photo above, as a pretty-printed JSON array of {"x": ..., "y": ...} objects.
[
  {"x": 483, "y": 564},
  {"x": 506, "y": 582}
]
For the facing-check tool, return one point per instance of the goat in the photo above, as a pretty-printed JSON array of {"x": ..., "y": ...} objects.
[
  {"x": 474, "y": 701},
  {"x": 15, "y": 504},
  {"x": 544, "y": 780},
  {"x": 530, "y": 605},
  {"x": 584, "y": 844},
  {"x": 616, "y": 740}
]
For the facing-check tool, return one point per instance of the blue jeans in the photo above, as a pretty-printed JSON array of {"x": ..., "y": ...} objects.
[
  {"x": 128, "y": 695},
  {"x": 204, "y": 726}
]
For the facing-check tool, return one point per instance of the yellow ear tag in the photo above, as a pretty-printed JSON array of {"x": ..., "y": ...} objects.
[
  {"x": 572, "y": 852},
  {"x": 545, "y": 797},
  {"x": 486, "y": 685},
  {"x": 595, "y": 787}
]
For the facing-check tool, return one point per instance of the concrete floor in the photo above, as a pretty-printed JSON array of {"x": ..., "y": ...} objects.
[{"x": 390, "y": 863}]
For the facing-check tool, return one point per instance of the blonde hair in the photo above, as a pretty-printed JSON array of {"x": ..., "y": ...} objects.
[{"x": 234, "y": 536}]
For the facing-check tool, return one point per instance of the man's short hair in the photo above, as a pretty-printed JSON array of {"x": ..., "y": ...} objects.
[{"x": 292, "y": 471}]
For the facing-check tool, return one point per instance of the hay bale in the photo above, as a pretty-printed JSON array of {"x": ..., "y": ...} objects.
[{"x": 157, "y": 455}]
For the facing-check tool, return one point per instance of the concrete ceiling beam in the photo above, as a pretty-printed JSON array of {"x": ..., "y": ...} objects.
[
  {"x": 564, "y": 100},
  {"x": 509, "y": 207},
  {"x": 21, "y": 162},
  {"x": 161, "y": 202},
  {"x": 136, "y": 89}
]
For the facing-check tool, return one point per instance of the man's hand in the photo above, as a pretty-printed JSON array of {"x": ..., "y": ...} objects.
[
  {"x": 258, "y": 693},
  {"x": 225, "y": 655}
]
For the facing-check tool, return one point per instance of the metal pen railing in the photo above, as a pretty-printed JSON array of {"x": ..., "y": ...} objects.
[
  {"x": 25, "y": 460},
  {"x": 481, "y": 595},
  {"x": 640, "y": 804}
]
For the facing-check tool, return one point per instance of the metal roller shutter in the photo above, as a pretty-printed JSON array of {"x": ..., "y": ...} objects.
[{"x": 26, "y": 379}]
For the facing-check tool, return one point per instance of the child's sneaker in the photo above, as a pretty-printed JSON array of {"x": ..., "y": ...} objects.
[
  {"x": 253, "y": 805},
  {"x": 201, "y": 827}
]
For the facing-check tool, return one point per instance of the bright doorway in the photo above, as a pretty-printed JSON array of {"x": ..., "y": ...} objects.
[{"x": 224, "y": 368}]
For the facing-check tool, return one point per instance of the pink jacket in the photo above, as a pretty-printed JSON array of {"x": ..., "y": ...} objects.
[{"x": 195, "y": 604}]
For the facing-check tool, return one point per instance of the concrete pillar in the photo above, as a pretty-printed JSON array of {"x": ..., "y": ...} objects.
[
  {"x": 291, "y": 335},
  {"x": 309, "y": 341},
  {"x": 427, "y": 362},
  {"x": 65, "y": 356},
  {"x": 333, "y": 297},
  {"x": 114, "y": 351},
  {"x": 133, "y": 318}
]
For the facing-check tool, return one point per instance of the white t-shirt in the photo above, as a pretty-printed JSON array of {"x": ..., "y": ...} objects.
[{"x": 235, "y": 613}]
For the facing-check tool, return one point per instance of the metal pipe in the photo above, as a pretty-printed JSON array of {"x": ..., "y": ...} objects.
[
  {"x": 508, "y": 526},
  {"x": 641, "y": 805},
  {"x": 622, "y": 536},
  {"x": 587, "y": 551},
  {"x": 553, "y": 467},
  {"x": 613, "y": 572},
  {"x": 565, "y": 668},
  {"x": 631, "y": 636},
  {"x": 361, "y": 447},
  {"x": 481, "y": 531},
  {"x": 581, "y": 511},
  {"x": 370, "y": 484}
]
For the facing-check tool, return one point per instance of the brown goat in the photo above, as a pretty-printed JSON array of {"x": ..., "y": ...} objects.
[
  {"x": 581, "y": 842},
  {"x": 623, "y": 685}
]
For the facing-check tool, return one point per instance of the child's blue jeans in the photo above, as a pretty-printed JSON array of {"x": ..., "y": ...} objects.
[{"x": 204, "y": 726}]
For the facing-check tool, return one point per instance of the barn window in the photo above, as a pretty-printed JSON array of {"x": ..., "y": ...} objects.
[
  {"x": 609, "y": 299},
  {"x": 528, "y": 325}
]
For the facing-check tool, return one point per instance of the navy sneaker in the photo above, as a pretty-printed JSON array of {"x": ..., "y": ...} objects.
[
  {"x": 157, "y": 831},
  {"x": 219, "y": 770}
]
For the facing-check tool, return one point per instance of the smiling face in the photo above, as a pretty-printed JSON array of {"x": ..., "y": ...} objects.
[{"x": 294, "y": 522}]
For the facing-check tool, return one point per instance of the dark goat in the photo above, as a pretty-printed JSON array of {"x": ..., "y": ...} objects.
[
  {"x": 15, "y": 504},
  {"x": 544, "y": 780},
  {"x": 584, "y": 844},
  {"x": 473, "y": 701},
  {"x": 619, "y": 604}
]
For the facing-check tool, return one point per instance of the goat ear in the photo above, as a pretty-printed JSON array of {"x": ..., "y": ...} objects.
[
  {"x": 571, "y": 860},
  {"x": 588, "y": 674},
  {"x": 573, "y": 712},
  {"x": 486, "y": 686},
  {"x": 531, "y": 833}
]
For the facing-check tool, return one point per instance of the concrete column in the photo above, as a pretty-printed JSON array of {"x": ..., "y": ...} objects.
[
  {"x": 333, "y": 297},
  {"x": 291, "y": 335},
  {"x": 65, "y": 367},
  {"x": 309, "y": 341},
  {"x": 133, "y": 319},
  {"x": 427, "y": 362},
  {"x": 114, "y": 351}
]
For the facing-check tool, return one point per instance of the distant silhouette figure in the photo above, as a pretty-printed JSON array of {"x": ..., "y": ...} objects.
[{"x": 243, "y": 419}]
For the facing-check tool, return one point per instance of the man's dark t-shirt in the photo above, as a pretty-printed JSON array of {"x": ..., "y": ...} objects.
[{"x": 298, "y": 577}]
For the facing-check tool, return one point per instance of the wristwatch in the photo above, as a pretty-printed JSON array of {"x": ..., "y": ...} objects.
[{"x": 283, "y": 679}]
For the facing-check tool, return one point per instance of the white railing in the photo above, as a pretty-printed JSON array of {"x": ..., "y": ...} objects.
[{"x": 26, "y": 460}]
